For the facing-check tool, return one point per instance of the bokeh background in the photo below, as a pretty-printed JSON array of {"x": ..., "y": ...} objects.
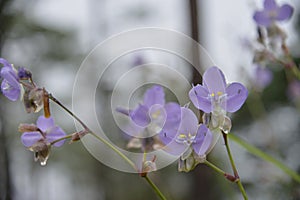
[{"x": 52, "y": 38}]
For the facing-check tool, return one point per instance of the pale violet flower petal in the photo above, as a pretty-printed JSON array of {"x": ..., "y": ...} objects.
[
  {"x": 44, "y": 123},
  {"x": 284, "y": 12},
  {"x": 203, "y": 140},
  {"x": 140, "y": 116},
  {"x": 30, "y": 138},
  {"x": 236, "y": 96},
  {"x": 154, "y": 95},
  {"x": 199, "y": 96},
  {"x": 56, "y": 133},
  {"x": 214, "y": 80}
]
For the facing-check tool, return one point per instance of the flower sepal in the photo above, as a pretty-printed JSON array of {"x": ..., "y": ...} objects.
[
  {"x": 27, "y": 128},
  {"x": 188, "y": 163}
]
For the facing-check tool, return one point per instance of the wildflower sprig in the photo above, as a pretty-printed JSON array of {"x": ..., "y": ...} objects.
[
  {"x": 40, "y": 137},
  {"x": 154, "y": 124},
  {"x": 271, "y": 38},
  {"x": 179, "y": 129}
]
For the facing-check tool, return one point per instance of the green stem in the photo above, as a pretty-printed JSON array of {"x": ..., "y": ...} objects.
[
  {"x": 92, "y": 133},
  {"x": 123, "y": 156},
  {"x": 155, "y": 188},
  {"x": 257, "y": 152},
  {"x": 60, "y": 139},
  {"x": 114, "y": 149},
  {"x": 68, "y": 111},
  {"x": 235, "y": 172},
  {"x": 217, "y": 169},
  {"x": 220, "y": 171}
]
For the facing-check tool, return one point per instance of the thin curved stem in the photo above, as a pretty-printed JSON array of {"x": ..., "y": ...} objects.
[
  {"x": 220, "y": 171},
  {"x": 114, "y": 149},
  {"x": 60, "y": 139},
  {"x": 217, "y": 169},
  {"x": 68, "y": 111},
  {"x": 235, "y": 172},
  {"x": 123, "y": 156},
  {"x": 155, "y": 188},
  {"x": 257, "y": 152}
]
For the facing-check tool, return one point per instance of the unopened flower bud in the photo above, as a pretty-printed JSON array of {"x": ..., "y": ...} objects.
[
  {"x": 24, "y": 74},
  {"x": 148, "y": 166},
  {"x": 186, "y": 165},
  {"x": 77, "y": 136},
  {"x": 27, "y": 128}
]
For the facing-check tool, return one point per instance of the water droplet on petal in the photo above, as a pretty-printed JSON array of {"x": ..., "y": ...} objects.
[
  {"x": 226, "y": 127},
  {"x": 43, "y": 163}
]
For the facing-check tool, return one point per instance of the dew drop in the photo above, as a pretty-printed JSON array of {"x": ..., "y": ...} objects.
[
  {"x": 226, "y": 127},
  {"x": 44, "y": 162}
]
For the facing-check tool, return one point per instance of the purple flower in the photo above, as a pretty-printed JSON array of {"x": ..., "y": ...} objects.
[
  {"x": 272, "y": 12},
  {"x": 215, "y": 96},
  {"x": 10, "y": 85},
  {"x": 152, "y": 114},
  {"x": 143, "y": 113},
  {"x": 40, "y": 137},
  {"x": 188, "y": 135},
  {"x": 47, "y": 132},
  {"x": 263, "y": 77},
  {"x": 24, "y": 74}
]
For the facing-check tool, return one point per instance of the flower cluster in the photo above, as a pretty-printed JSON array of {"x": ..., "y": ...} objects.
[
  {"x": 18, "y": 84},
  {"x": 178, "y": 127},
  {"x": 272, "y": 13},
  {"x": 271, "y": 43}
]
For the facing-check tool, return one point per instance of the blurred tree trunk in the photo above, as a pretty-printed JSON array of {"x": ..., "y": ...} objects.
[
  {"x": 5, "y": 192},
  {"x": 201, "y": 179},
  {"x": 5, "y": 183},
  {"x": 194, "y": 22}
]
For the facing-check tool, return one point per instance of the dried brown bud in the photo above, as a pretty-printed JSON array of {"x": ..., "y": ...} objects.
[
  {"x": 27, "y": 128},
  {"x": 33, "y": 100},
  {"x": 41, "y": 150}
]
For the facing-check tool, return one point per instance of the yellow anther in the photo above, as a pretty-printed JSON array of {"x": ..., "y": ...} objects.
[
  {"x": 273, "y": 14},
  {"x": 182, "y": 136},
  {"x": 212, "y": 94},
  {"x": 156, "y": 114},
  {"x": 220, "y": 93}
]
